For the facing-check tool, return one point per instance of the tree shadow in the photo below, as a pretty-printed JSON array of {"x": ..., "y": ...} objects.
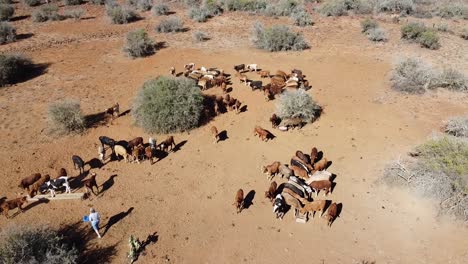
[
  {"x": 76, "y": 182},
  {"x": 115, "y": 219},
  {"x": 32, "y": 71},
  {"x": 35, "y": 203},
  {"x": 248, "y": 200},
  {"x": 160, "y": 45},
  {"x": 95, "y": 120},
  {"x": 179, "y": 145},
  {"x": 95, "y": 163},
  {"x": 223, "y": 135},
  {"x": 150, "y": 239},
  {"x": 19, "y": 18},
  {"x": 107, "y": 184},
  {"x": 24, "y": 36},
  {"x": 126, "y": 112},
  {"x": 80, "y": 235}
]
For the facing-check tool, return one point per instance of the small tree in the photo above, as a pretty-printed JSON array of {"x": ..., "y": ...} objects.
[
  {"x": 376, "y": 34},
  {"x": 160, "y": 10},
  {"x": 7, "y": 33},
  {"x": 298, "y": 104},
  {"x": 138, "y": 44},
  {"x": 412, "y": 75},
  {"x": 302, "y": 19},
  {"x": 13, "y": 67},
  {"x": 171, "y": 24},
  {"x": 277, "y": 38},
  {"x": 65, "y": 117},
  {"x": 6, "y": 12},
  {"x": 166, "y": 104},
  {"x": 25, "y": 244},
  {"x": 120, "y": 14},
  {"x": 142, "y": 5},
  {"x": 199, "y": 14},
  {"x": 46, "y": 13},
  {"x": 429, "y": 39}
]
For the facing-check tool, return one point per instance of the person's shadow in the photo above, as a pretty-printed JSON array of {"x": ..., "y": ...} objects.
[{"x": 115, "y": 219}]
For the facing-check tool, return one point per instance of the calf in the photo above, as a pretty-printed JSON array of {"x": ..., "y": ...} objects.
[
  {"x": 317, "y": 186},
  {"x": 12, "y": 204},
  {"x": 267, "y": 93},
  {"x": 313, "y": 155},
  {"x": 135, "y": 142},
  {"x": 113, "y": 111},
  {"x": 262, "y": 133},
  {"x": 275, "y": 121},
  {"x": 239, "y": 67},
  {"x": 278, "y": 206},
  {"x": 214, "y": 132},
  {"x": 137, "y": 153},
  {"x": 332, "y": 213},
  {"x": 107, "y": 141},
  {"x": 189, "y": 67},
  {"x": 252, "y": 67},
  {"x": 37, "y": 185},
  {"x": 271, "y": 170},
  {"x": 239, "y": 200},
  {"x": 321, "y": 165},
  {"x": 121, "y": 151},
  {"x": 312, "y": 207},
  {"x": 169, "y": 142},
  {"x": 264, "y": 74},
  {"x": 78, "y": 163},
  {"x": 270, "y": 194},
  {"x": 30, "y": 180},
  {"x": 90, "y": 183},
  {"x": 149, "y": 154}
]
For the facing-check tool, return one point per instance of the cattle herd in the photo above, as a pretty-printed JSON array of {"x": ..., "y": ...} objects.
[{"x": 305, "y": 174}]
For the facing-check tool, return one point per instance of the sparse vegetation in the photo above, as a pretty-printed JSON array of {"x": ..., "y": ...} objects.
[
  {"x": 171, "y": 24},
  {"x": 442, "y": 27},
  {"x": 74, "y": 13},
  {"x": 418, "y": 32},
  {"x": 244, "y": 5},
  {"x": 453, "y": 10},
  {"x": 277, "y": 38},
  {"x": 453, "y": 80},
  {"x": 429, "y": 39},
  {"x": 6, "y": 2},
  {"x": 13, "y": 67},
  {"x": 65, "y": 117},
  {"x": 213, "y": 7},
  {"x": 160, "y": 10},
  {"x": 142, "y": 5},
  {"x": 376, "y": 34},
  {"x": 396, "y": 6},
  {"x": 302, "y": 19},
  {"x": 341, "y": 7},
  {"x": 7, "y": 33},
  {"x": 168, "y": 104},
  {"x": 32, "y": 2},
  {"x": 120, "y": 14},
  {"x": 72, "y": 2},
  {"x": 6, "y": 12},
  {"x": 367, "y": 24},
  {"x": 298, "y": 104},
  {"x": 412, "y": 75},
  {"x": 138, "y": 44},
  {"x": 284, "y": 8},
  {"x": 199, "y": 36},
  {"x": 199, "y": 14},
  {"x": 46, "y": 13},
  {"x": 457, "y": 126},
  {"x": 25, "y": 244},
  {"x": 439, "y": 170}
]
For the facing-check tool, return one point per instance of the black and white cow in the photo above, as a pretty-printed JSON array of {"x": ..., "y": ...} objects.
[{"x": 53, "y": 185}]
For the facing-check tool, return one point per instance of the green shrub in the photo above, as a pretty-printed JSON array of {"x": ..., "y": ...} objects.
[
  {"x": 412, "y": 75},
  {"x": 25, "y": 244},
  {"x": 368, "y": 24},
  {"x": 7, "y": 33},
  {"x": 429, "y": 39},
  {"x": 120, "y": 14},
  {"x": 396, "y": 6},
  {"x": 72, "y": 2},
  {"x": 199, "y": 36},
  {"x": 277, "y": 38},
  {"x": 32, "y": 2},
  {"x": 74, "y": 13},
  {"x": 298, "y": 104},
  {"x": 142, "y": 5},
  {"x": 412, "y": 31},
  {"x": 65, "y": 117},
  {"x": 302, "y": 19},
  {"x": 138, "y": 44},
  {"x": 6, "y": 12},
  {"x": 167, "y": 105},
  {"x": 451, "y": 10},
  {"x": 376, "y": 34},
  {"x": 199, "y": 14},
  {"x": 46, "y": 13},
  {"x": 453, "y": 80},
  {"x": 457, "y": 126},
  {"x": 244, "y": 5},
  {"x": 13, "y": 67},
  {"x": 464, "y": 33},
  {"x": 160, "y": 10},
  {"x": 171, "y": 24},
  {"x": 439, "y": 170}
]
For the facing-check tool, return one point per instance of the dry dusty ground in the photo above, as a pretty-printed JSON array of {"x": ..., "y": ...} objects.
[{"x": 186, "y": 198}]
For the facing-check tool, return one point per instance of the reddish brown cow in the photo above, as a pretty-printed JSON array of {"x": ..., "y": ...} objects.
[
  {"x": 332, "y": 213},
  {"x": 30, "y": 180},
  {"x": 169, "y": 142},
  {"x": 62, "y": 172},
  {"x": 313, "y": 155},
  {"x": 239, "y": 200},
  {"x": 90, "y": 183},
  {"x": 149, "y": 154},
  {"x": 215, "y": 133},
  {"x": 135, "y": 142},
  {"x": 317, "y": 186},
  {"x": 271, "y": 170},
  {"x": 35, "y": 187},
  {"x": 271, "y": 193},
  {"x": 262, "y": 133},
  {"x": 299, "y": 172},
  {"x": 12, "y": 204},
  {"x": 275, "y": 121},
  {"x": 321, "y": 165}
]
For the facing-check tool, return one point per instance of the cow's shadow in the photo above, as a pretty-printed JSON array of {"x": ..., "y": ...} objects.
[
  {"x": 107, "y": 184},
  {"x": 248, "y": 200}
]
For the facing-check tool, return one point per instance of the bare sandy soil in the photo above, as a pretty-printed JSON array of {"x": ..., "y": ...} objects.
[{"x": 186, "y": 197}]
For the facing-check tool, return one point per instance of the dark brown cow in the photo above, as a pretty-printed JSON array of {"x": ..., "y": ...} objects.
[
  {"x": 12, "y": 204},
  {"x": 30, "y": 180}
]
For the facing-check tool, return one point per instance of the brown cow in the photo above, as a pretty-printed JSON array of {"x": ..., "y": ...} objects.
[
  {"x": 332, "y": 213},
  {"x": 12, "y": 204},
  {"x": 271, "y": 193},
  {"x": 169, "y": 142},
  {"x": 312, "y": 207},
  {"x": 62, "y": 172},
  {"x": 313, "y": 155},
  {"x": 30, "y": 180},
  {"x": 149, "y": 154},
  {"x": 302, "y": 157},
  {"x": 135, "y": 142},
  {"x": 275, "y": 121},
  {"x": 321, "y": 165},
  {"x": 239, "y": 200},
  {"x": 90, "y": 183},
  {"x": 317, "y": 186},
  {"x": 137, "y": 153},
  {"x": 271, "y": 170},
  {"x": 299, "y": 172},
  {"x": 35, "y": 187},
  {"x": 214, "y": 132},
  {"x": 262, "y": 133},
  {"x": 264, "y": 74}
]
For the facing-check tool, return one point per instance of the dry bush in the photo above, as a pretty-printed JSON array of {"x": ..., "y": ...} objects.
[
  {"x": 32, "y": 2},
  {"x": 142, "y": 5},
  {"x": 120, "y": 14},
  {"x": 160, "y": 10},
  {"x": 25, "y": 244},
  {"x": 244, "y": 5},
  {"x": 302, "y": 19},
  {"x": 13, "y": 67},
  {"x": 6, "y": 12},
  {"x": 199, "y": 14},
  {"x": 298, "y": 104},
  {"x": 199, "y": 36},
  {"x": 439, "y": 171},
  {"x": 74, "y": 13},
  {"x": 376, "y": 34},
  {"x": 7, "y": 33},
  {"x": 166, "y": 105},
  {"x": 342, "y": 7},
  {"x": 396, "y": 6},
  {"x": 284, "y": 8},
  {"x": 65, "y": 117},
  {"x": 418, "y": 32},
  {"x": 277, "y": 38},
  {"x": 457, "y": 126},
  {"x": 429, "y": 39},
  {"x": 453, "y": 80},
  {"x": 412, "y": 75},
  {"x": 171, "y": 24},
  {"x": 72, "y": 2},
  {"x": 138, "y": 44},
  {"x": 367, "y": 24},
  {"x": 464, "y": 33},
  {"x": 442, "y": 27},
  {"x": 453, "y": 10},
  {"x": 46, "y": 13}
]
